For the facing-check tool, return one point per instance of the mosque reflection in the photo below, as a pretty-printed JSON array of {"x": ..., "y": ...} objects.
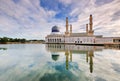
[{"x": 69, "y": 50}]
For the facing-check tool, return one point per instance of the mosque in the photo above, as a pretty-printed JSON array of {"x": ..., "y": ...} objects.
[{"x": 87, "y": 38}]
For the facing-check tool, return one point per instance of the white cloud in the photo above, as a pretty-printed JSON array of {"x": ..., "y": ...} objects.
[
  {"x": 102, "y": 17},
  {"x": 24, "y": 17},
  {"x": 27, "y": 18}
]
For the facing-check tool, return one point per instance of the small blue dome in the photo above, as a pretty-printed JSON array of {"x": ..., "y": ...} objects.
[
  {"x": 55, "y": 57},
  {"x": 55, "y": 29}
]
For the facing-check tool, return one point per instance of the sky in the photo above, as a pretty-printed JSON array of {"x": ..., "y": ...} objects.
[{"x": 33, "y": 19}]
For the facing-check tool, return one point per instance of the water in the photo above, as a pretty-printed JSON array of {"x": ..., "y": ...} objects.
[{"x": 40, "y": 62}]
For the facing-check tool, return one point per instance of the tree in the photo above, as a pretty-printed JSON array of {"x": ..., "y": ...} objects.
[{"x": 4, "y": 40}]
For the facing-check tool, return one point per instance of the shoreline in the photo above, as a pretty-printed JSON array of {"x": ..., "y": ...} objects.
[
  {"x": 96, "y": 44},
  {"x": 23, "y": 43}
]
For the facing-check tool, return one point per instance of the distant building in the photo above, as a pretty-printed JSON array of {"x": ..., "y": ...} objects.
[{"x": 79, "y": 38}]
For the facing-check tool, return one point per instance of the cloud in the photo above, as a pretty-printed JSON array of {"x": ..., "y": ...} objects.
[
  {"x": 102, "y": 2},
  {"x": 102, "y": 17},
  {"x": 34, "y": 19},
  {"x": 24, "y": 17}
]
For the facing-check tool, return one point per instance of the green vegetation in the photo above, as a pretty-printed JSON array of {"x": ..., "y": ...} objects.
[
  {"x": 3, "y": 48},
  {"x": 36, "y": 40},
  {"x": 5, "y": 40}
]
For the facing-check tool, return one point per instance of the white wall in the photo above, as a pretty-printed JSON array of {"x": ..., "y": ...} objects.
[
  {"x": 84, "y": 40},
  {"x": 104, "y": 40}
]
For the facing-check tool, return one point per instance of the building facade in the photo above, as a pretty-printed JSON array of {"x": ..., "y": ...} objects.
[{"x": 78, "y": 38}]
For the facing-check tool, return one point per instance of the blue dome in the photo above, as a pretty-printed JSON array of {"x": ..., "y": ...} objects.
[
  {"x": 55, "y": 57},
  {"x": 55, "y": 29}
]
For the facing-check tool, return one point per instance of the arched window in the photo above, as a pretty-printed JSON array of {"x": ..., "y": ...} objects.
[
  {"x": 75, "y": 41},
  {"x": 55, "y": 40},
  {"x": 60, "y": 40}
]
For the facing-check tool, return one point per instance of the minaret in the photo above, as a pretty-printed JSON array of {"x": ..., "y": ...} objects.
[
  {"x": 91, "y": 25},
  {"x": 67, "y": 32},
  {"x": 70, "y": 29},
  {"x": 86, "y": 28}
]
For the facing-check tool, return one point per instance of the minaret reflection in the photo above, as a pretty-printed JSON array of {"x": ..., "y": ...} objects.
[
  {"x": 67, "y": 60},
  {"x": 87, "y": 57},
  {"x": 70, "y": 50},
  {"x": 71, "y": 56},
  {"x": 67, "y": 54},
  {"x": 90, "y": 55}
]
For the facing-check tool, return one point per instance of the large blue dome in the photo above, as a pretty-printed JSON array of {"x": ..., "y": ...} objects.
[{"x": 55, "y": 29}]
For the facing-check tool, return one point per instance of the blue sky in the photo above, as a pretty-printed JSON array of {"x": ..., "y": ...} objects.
[{"x": 33, "y": 19}]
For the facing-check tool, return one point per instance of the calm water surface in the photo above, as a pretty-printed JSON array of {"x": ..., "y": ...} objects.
[{"x": 40, "y": 62}]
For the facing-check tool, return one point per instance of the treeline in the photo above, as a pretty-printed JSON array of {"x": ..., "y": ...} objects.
[
  {"x": 6, "y": 39},
  {"x": 37, "y": 40}
]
